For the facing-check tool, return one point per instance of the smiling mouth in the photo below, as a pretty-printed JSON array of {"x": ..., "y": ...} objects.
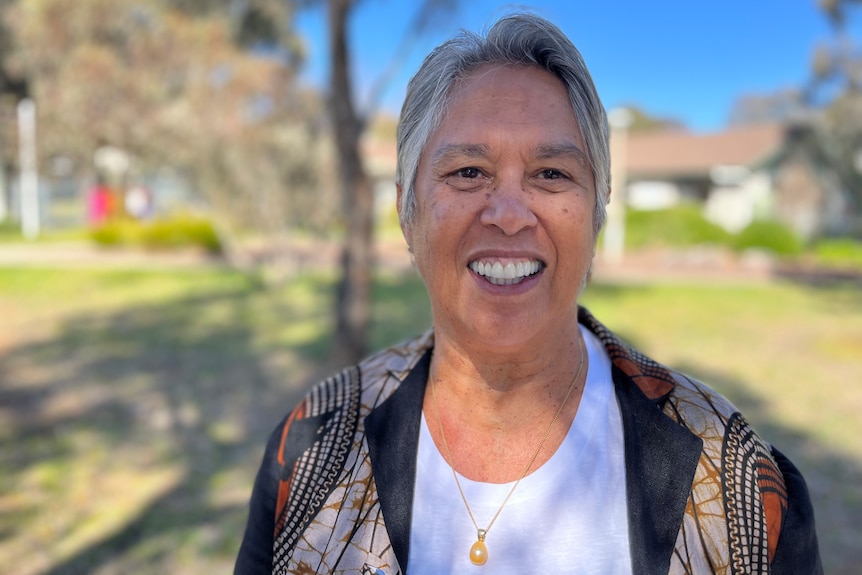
[{"x": 509, "y": 273}]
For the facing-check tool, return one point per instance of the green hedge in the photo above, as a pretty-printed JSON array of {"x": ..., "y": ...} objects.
[
  {"x": 161, "y": 234},
  {"x": 839, "y": 252},
  {"x": 768, "y": 235},
  {"x": 685, "y": 226},
  {"x": 680, "y": 226}
]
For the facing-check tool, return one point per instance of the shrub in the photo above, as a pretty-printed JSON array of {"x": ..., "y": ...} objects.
[
  {"x": 839, "y": 252},
  {"x": 169, "y": 233},
  {"x": 768, "y": 235},
  {"x": 680, "y": 226},
  {"x": 180, "y": 231},
  {"x": 10, "y": 229},
  {"x": 112, "y": 234}
]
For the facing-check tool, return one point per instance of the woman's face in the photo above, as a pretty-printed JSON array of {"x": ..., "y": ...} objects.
[{"x": 503, "y": 234}]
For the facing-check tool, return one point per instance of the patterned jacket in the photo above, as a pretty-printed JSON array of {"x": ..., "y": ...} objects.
[{"x": 705, "y": 494}]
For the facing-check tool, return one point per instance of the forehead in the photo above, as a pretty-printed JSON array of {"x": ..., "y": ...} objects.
[
  {"x": 495, "y": 74},
  {"x": 518, "y": 102}
]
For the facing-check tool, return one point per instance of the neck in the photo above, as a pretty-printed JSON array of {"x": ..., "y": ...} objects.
[
  {"x": 493, "y": 415},
  {"x": 530, "y": 366}
]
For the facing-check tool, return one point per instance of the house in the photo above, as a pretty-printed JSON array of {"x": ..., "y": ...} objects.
[
  {"x": 739, "y": 175},
  {"x": 380, "y": 160}
]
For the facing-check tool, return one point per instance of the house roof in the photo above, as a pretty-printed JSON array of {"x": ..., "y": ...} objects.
[
  {"x": 679, "y": 153},
  {"x": 658, "y": 154}
]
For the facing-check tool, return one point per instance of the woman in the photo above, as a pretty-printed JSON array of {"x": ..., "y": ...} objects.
[{"x": 519, "y": 435}]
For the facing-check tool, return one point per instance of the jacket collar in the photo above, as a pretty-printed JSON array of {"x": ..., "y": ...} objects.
[
  {"x": 661, "y": 460},
  {"x": 392, "y": 433},
  {"x": 661, "y": 455}
]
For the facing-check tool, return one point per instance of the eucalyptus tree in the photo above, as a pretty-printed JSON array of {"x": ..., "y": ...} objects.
[{"x": 836, "y": 88}]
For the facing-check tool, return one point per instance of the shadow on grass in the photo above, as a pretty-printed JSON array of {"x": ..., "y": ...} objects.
[
  {"x": 841, "y": 291},
  {"x": 193, "y": 385},
  {"x": 180, "y": 385},
  {"x": 401, "y": 309},
  {"x": 833, "y": 479}
]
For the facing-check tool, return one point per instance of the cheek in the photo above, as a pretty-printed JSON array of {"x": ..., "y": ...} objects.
[
  {"x": 442, "y": 224},
  {"x": 573, "y": 223},
  {"x": 438, "y": 215},
  {"x": 426, "y": 231},
  {"x": 445, "y": 217},
  {"x": 573, "y": 209}
]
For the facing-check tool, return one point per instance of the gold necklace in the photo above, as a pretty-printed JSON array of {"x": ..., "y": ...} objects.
[{"x": 479, "y": 551}]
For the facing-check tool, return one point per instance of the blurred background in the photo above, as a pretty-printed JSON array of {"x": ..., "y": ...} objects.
[{"x": 197, "y": 221}]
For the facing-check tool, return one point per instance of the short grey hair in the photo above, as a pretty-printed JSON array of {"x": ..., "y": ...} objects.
[{"x": 517, "y": 39}]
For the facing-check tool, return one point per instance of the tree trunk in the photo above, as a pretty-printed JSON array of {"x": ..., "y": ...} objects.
[{"x": 353, "y": 296}]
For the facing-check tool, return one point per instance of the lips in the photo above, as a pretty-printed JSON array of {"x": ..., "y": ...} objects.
[{"x": 508, "y": 272}]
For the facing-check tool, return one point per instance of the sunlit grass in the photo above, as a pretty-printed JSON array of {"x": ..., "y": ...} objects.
[
  {"x": 782, "y": 344},
  {"x": 137, "y": 403}
]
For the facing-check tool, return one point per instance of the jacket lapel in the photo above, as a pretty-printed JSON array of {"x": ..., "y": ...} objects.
[
  {"x": 661, "y": 456},
  {"x": 661, "y": 459},
  {"x": 392, "y": 432}
]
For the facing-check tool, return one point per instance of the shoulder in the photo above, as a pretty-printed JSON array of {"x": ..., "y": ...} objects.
[
  {"x": 689, "y": 402},
  {"x": 369, "y": 382},
  {"x": 382, "y": 373},
  {"x": 320, "y": 443},
  {"x": 730, "y": 444},
  {"x": 751, "y": 476},
  {"x": 764, "y": 512},
  {"x": 356, "y": 390},
  {"x": 697, "y": 405}
]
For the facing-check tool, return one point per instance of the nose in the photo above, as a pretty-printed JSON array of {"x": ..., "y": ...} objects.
[{"x": 508, "y": 208}]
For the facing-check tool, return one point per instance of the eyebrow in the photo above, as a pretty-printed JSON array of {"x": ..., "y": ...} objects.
[
  {"x": 448, "y": 151},
  {"x": 542, "y": 151},
  {"x": 550, "y": 151}
]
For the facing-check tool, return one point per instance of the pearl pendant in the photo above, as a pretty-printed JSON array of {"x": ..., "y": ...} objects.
[{"x": 479, "y": 552}]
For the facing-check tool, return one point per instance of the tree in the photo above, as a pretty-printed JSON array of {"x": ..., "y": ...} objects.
[
  {"x": 347, "y": 123},
  {"x": 177, "y": 84},
  {"x": 12, "y": 89},
  {"x": 642, "y": 121},
  {"x": 207, "y": 87},
  {"x": 836, "y": 88},
  {"x": 783, "y": 106},
  {"x": 353, "y": 294}
]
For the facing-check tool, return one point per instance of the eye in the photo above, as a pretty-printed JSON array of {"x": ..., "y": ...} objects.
[
  {"x": 551, "y": 174},
  {"x": 469, "y": 173},
  {"x": 467, "y": 179},
  {"x": 554, "y": 180}
]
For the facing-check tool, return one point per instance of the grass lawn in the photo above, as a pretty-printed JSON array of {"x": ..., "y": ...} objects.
[{"x": 134, "y": 405}]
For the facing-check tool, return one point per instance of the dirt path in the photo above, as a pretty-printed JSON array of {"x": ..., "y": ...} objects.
[{"x": 699, "y": 264}]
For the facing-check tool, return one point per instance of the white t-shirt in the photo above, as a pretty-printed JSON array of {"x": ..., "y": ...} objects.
[{"x": 569, "y": 516}]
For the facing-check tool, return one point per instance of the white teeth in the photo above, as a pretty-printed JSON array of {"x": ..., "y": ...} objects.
[{"x": 511, "y": 273}]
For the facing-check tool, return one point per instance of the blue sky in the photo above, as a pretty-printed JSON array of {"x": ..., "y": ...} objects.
[{"x": 684, "y": 59}]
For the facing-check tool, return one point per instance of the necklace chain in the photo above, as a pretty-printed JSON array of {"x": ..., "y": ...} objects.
[{"x": 483, "y": 532}]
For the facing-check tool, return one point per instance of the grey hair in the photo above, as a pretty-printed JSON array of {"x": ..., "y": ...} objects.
[{"x": 517, "y": 39}]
